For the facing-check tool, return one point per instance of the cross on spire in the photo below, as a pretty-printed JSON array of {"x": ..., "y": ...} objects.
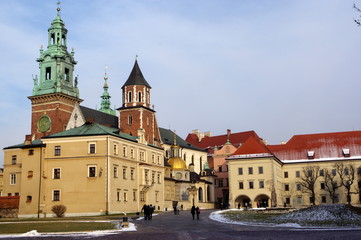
[{"x": 58, "y": 8}]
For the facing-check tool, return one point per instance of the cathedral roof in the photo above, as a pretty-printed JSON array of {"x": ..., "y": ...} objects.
[
  {"x": 168, "y": 138},
  {"x": 136, "y": 77},
  {"x": 99, "y": 117}
]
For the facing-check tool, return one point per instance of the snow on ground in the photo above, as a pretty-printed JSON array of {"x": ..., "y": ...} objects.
[
  {"x": 325, "y": 212},
  {"x": 333, "y": 212}
]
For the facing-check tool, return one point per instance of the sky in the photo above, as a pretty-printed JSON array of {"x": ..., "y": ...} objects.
[{"x": 277, "y": 67}]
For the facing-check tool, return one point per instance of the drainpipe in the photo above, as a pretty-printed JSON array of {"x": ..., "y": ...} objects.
[
  {"x": 107, "y": 179},
  {"x": 40, "y": 179}
]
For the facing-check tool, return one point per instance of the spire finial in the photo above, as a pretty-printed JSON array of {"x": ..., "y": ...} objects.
[
  {"x": 58, "y": 9},
  {"x": 174, "y": 138},
  {"x": 105, "y": 72},
  {"x": 136, "y": 57}
]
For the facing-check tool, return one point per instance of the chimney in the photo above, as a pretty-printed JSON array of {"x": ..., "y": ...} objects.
[
  {"x": 228, "y": 133},
  {"x": 28, "y": 139}
]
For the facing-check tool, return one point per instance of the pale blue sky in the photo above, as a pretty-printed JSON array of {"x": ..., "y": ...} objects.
[{"x": 277, "y": 67}]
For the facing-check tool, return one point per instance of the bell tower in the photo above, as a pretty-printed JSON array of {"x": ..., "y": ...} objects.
[
  {"x": 136, "y": 112},
  {"x": 55, "y": 91}
]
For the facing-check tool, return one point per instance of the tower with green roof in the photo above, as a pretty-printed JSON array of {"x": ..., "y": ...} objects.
[
  {"x": 105, "y": 103},
  {"x": 55, "y": 90}
]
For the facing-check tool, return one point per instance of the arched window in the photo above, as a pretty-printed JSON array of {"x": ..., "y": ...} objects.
[
  {"x": 193, "y": 159},
  {"x": 139, "y": 97},
  {"x": 185, "y": 157},
  {"x": 200, "y": 163},
  {"x": 208, "y": 193},
  {"x": 200, "y": 194},
  {"x": 129, "y": 96},
  {"x": 130, "y": 119}
]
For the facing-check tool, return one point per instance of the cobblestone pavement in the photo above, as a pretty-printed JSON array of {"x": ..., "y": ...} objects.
[{"x": 167, "y": 226}]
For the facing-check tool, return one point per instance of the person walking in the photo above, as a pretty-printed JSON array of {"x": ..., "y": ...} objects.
[
  {"x": 193, "y": 211},
  {"x": 198, "y": 211}
]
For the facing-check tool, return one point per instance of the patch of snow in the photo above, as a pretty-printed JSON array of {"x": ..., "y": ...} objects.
[{"x": 31, "y": 233}]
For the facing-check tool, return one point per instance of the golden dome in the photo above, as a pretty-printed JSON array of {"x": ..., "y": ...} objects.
[{"x": 177, "y": 163}]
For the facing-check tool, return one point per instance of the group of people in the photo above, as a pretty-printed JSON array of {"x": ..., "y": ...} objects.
[
  {"x": 148, "y": 211},
  {"x": 195, "y": 210}
]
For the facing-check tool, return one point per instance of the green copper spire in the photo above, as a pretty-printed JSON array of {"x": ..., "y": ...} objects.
[
  {"x": 105, "y": 104},
  {"x": 56, "y": 63}
]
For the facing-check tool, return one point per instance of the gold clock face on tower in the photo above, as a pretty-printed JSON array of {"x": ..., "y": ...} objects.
[
  {"x": 178, "y": 175},
  {"x": 44, "y": 123}
]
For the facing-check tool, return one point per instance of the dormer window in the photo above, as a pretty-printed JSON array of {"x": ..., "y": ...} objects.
[
  {"x": 346, "y": 152},
  {"x": 311, "y": 154}
]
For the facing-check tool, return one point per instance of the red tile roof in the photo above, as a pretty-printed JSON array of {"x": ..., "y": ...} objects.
[
  {"x": 235, "y": 138},
  {"x": 326, "y": 146},
  {"x": 253, "y": 146}
]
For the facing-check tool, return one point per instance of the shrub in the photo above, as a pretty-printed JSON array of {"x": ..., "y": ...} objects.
[{"x": 58, "y": 210}]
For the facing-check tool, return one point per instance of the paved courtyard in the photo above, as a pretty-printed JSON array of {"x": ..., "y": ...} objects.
[{"x": 168, "y": 226}]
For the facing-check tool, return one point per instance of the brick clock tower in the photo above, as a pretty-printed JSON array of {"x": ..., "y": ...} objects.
[
  {"x": 136, "y": 117},
  {"x": 55, "y": 92}
]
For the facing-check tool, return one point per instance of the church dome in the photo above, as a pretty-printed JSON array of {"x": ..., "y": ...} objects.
[{"x": 177, "y": 163}]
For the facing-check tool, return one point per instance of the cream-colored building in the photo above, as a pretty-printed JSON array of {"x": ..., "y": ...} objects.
[
  {"x": 92, "y": 170},
  {"x": 276, "y": 175}
]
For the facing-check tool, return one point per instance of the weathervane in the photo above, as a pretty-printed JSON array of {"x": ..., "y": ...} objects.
[{"x": 105, "y": 72}]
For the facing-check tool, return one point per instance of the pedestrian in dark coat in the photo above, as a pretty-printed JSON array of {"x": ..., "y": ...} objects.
[
  {"x": 198, "y": 211},
  {"x": 193, "y": 211}
]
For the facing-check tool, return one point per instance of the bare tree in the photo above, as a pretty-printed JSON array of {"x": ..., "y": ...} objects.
[
  {"x": 347, "y": 178},
  {"x": 308, "y": 180},
  {"x": 357, "y": 21},
  {"x": 331, "y": 184}
]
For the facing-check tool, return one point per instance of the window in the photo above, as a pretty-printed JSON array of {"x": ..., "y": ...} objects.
[
  {"x": 345, "y": 171},
  {"x": 240, "y": 171},
  {"x": 57, "y": 151},
  {"x": 132, "y": 153},
  {"x": 141, "y": 155},
  {"x": 333, "y": 172},
  {"x": 92, "y": 148},
  {"x": 153, "y": 177},
  {"x": 124, "y": 173},
  {"x": 298, "y": 187},
  {"x": 251, "y": 185},
  {"x": 260, "y": 170},
  {"x": 261, "y": 184},
  {"x": 153, "y": 158},
  {"x": 124, "y": 151},
  {"x": 336, "y": 199},
  {"x": 56, "y": 195},
  {"x": 29, "y": 198},
  {"x": 287, "y": 187},
  {"x": 134, "y": 195},
  {"x": 115, "y": 171},
  {"x": 346, "y": 152},
  {"x": 227, "y": 182},
  {"x": 322, "y": 185},
  {"x": 30, "y": 174},
  {"x": 48, "y": 73},
  {"x": 311, "y": 154},
  {"x": 156, "y": 196},
  {"x": 158, "y": 177},
  {"x": 56, "y": 173},
  {"x": 16, "y": 194},
  {"x": 240, "y": 184},
  {"x": 322, "y": 172},
  {"x": 31, "y": 152},
  {"x": 250, "y": 170},
  {"x": 139, "y": 97},
  {"x": 12, "y": 178},
  {"x": 299, "y": 200},
  {"x": 130, "y": 120},
  {"x": 118, "y": 195},
  {"x": 220, "y": 182},
  {"x": 129, "y": 96},
  {"x": 285, "y": 174},
  {"x": 298, "y": 174},
  {"x": 115, "y": 149},
  {"x": 142, "y": 197},
  {"x": 220, "y": 168},
  {"x": 323, "y": 199},
  {"x": 288, "y": 201},
  {"x": 158, "y": 159},
  {"x": 66, "y": 75},
  {"x": 13, "y": 159},
  {"x": 92, "y": 171},
  {"x": 125, "y": 197},
  {"x": 132, "y": 174}
]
